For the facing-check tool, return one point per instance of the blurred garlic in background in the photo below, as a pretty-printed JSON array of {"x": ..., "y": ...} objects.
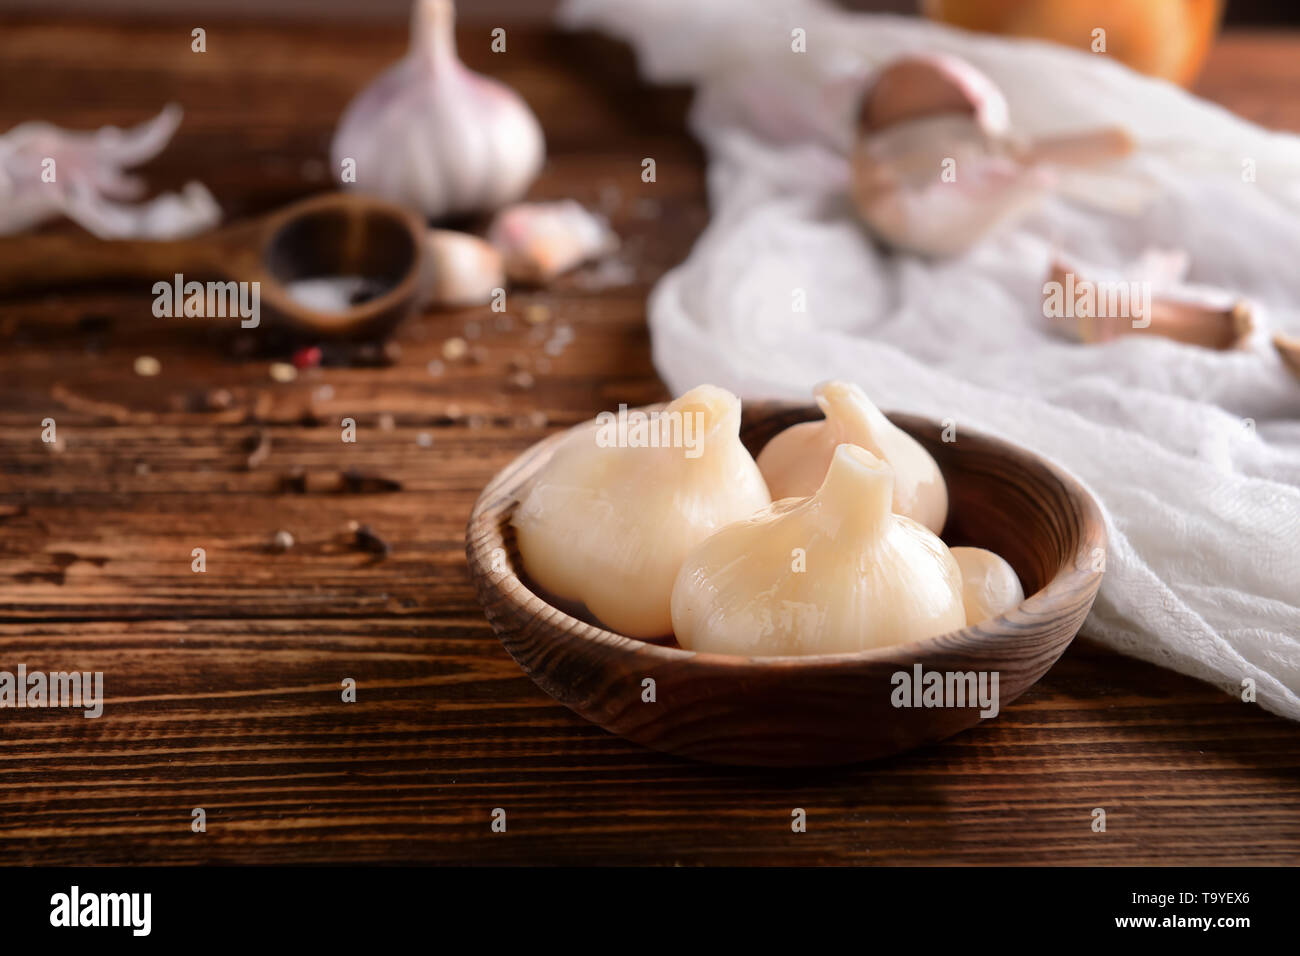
[
  {"x": 541, "y": 241},
  {"x": 466, "y": 270},
  {"x": 1149, "y": 297},
  {"x": 935, "y": 165},
  {"x": 46, "y": 171},
  {"x": 794, "y": 462},
  {"x": 436, "y": 137}
]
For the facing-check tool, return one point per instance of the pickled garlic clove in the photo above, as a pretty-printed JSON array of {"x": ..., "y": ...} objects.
[{"x": 989, "y": 584}]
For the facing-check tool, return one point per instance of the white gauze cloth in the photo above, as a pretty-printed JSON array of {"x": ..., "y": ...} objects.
[{"x": 1193, "y": 454}]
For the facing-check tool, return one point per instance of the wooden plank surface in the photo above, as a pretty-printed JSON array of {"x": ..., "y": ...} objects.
[{"x": 224, "y": 687}]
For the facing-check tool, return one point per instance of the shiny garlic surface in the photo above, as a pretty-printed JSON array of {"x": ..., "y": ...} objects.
[
  {"x": 989, "y": 584},
  {"x": 832, "y": 573},
  {"x": 795, "y": 461},
  {"x": 609, "y": 518}
]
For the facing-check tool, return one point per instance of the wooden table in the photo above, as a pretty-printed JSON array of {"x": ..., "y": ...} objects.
[{"x": 224, "y": 687}]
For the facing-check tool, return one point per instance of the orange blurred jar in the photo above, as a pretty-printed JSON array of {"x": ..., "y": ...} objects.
[{"x": 1167, "y": 38}]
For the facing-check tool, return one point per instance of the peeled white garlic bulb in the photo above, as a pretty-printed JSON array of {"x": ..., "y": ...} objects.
[
  {"x": 609, "y": 518},
  {"x": 834, "y": 573},
  {"x": 795, "y": 461},
  {"x": 434, "y": 136},
  {"x": 989, "y": 585}
]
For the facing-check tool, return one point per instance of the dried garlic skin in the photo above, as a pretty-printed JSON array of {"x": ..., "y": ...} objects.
[
  {"x": 608, "y": 525},
  {"x": 989, "y": 584},
  {"x": 837, "y": 572},
  {"x": 795, "y": 461}
]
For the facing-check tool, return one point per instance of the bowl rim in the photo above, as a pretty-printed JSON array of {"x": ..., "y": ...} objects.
[{"x": 1068, "y": 579}]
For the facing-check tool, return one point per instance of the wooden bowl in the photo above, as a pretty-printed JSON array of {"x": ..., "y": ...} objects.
[{"x": 822, "y": 709}]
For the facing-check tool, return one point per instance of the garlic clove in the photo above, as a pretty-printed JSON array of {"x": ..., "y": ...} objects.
[
  {"x": 465, "y": 269},
  {"x": 541, "y": 241},
  {"x": 794, "y": 463},
  {"x": 924, "y": 117},
  {"x": 935, "y": 84},
  {"x": 608, "y": 519},
  {"x": 898, "y": 190},
  {"x": 989, "y": 584},
  {"x": 434, "y": 136},
  {"x": 836, "y": 572},
  {"x": 1288, "y": 346},
  {"x": 1209, "y": 318}
]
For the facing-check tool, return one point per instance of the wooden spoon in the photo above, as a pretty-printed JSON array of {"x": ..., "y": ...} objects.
[{"x": 337, "y": 234}]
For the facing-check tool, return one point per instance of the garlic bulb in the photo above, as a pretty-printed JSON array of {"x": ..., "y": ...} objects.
[
  {"x": 834, "y": 573},
  {"x": 935, "y": 164},
  {"x": 989, "y": 585},
  {"x": 795, "y": 461},
  {"x": 434, "y": 136},
  {"x": 609, "y": 518}
]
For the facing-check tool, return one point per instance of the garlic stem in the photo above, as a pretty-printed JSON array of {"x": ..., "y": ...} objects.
[
  {"x": 433, "y": 33},
  {"x": 794, "y": 463},
  {"x": 718, "y": 410},
  {"x": 858, "y": 491},
  {"x": 846, "y": 412}
]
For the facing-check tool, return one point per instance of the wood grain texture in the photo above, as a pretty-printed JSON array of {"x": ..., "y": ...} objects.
[
  {"x": 224, "y": 688},
  {"x": 817, "y": 710}
]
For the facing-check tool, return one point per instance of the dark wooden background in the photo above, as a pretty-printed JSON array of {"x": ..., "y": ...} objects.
[{"x": 224, "y": 688}]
